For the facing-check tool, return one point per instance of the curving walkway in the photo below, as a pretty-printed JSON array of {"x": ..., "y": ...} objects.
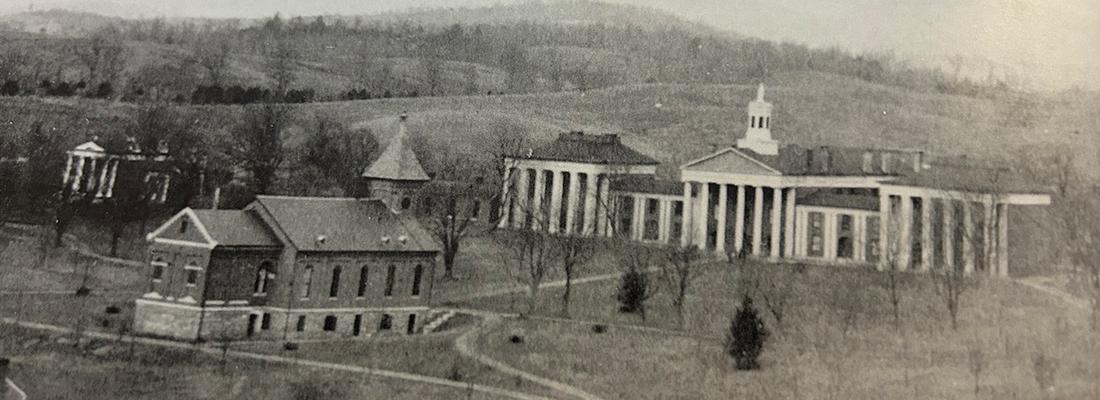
[
  {"x": 1039, "y": 283},
  {"x": 465, "y": 346}
]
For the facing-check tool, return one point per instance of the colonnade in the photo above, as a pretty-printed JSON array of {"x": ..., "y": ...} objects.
[
  {"x": 554, "y": 200},
  {"x": 702, "y": 211},
  {"x": 92, "y": 174},
  {"x": 927, "y": 231}
]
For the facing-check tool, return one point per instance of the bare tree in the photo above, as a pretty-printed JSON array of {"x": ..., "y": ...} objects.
[
  {"x": 977, "y": 365},
  {"x": 103, "y": 54},
  {"x": 281, "y": 60},
  {"x": 573, "y": 251},
  {"x": 889, "y": 279},
  {"x": 530, "y": 256},
  {"x": 775, "y": 285},
  {"x": 214, "y": 54},
  {"x": 950, "y": 285},
  {"x": 678, "y": 273}
]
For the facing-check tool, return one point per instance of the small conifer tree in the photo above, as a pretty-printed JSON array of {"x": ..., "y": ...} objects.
[
  {"x": 632, "y": 291},
  {"x": 746, "y": 336}
]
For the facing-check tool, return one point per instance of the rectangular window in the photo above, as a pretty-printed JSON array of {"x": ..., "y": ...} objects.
[
  {"x": 816, "y": 234},
  {"x": 301, "y": 326},
  {"x": 330, "y": 323},
  {"x": 334, "y": 287},
  {"x": 192, "y": 277},
  {"x": 418, "y": 274},
  {"x": 265, "y": 321},
  {"x": 872, "y": 250},
  {"x": 475, "y": 210},
  {"x": 357, "y": 325},
  {"x": 158, "y": 269},
  {"x": 363, "y": 275},
  {"x": 845, "y": 243},
  {"x": 307, "y": 282},
  {"x": 386, "y": 323},
  {"x": 410, "y": 328},
  {"x": 391, "y": 276}
]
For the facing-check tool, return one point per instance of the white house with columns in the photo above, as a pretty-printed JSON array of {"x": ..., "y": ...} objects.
[
  {"x": 92, "y": 170},
  {"x": 759, "y": 198}
]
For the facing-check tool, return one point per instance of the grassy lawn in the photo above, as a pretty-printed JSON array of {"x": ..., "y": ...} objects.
[
  {"x": 29, "y": 262},
  {"x": 48, "y": 370},
  {"x": 811, "y": 355},
  {"x": 431, "y": 355},
  {"x": 483, "y": 264}
]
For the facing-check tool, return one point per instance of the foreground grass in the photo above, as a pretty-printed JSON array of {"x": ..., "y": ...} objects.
[
  {"x": 814, "y": 353},
  {"x": 48, "y": 370}
]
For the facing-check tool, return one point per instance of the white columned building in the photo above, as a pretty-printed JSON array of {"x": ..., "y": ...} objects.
[
  {"x": 92, "y": 171},
  {"x": 883, "y": 208}
]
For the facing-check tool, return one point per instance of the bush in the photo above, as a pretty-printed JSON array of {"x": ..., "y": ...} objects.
[
  {"x": 10, "y": 88},
  {"x": 633, "y": 291},
  {"x": 746, "y": 336},
  {"x": 599, "y": 328},
  {"x": 517, "y": 339}
]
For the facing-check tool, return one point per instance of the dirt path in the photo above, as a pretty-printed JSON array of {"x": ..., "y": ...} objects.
[
  {"x": 465, "y": 345},
  {"x": 1042, "y": 284}
]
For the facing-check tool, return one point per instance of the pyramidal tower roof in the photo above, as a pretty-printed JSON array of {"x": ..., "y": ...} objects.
[{"x": 398, "y": 162}]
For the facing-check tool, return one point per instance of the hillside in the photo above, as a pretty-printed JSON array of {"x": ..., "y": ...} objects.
[{"x": 811, "y": 109}]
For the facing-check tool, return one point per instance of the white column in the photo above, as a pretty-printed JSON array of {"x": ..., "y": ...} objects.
[
  {"x": 905, "y": 233},
  {"x": 828, "y": 235},
  {"x": 1002, "y": 240},
  {"x": 664, "y": 220},
  {"x": 637, "y": 219},
  {"x": 111, "y": 180},
  {"x": 948, "y": 233},
  {"x": 989, "y": 244},
  {"x": 757, "y": 219},
  {"x": 507, "y": 191},
  {"x": 101, "y": 184},
  {"x": 79, "y": 174},
  {"x": 926, "y": 252},
  {"x": 68, "y": 170},
  {"x": 571, "y": 205},
  {"x": 789, "y": 233},
  {"x": 603, "y": 223},
  {"x": 720, "y": 213},
  {"x": 776, "y": 220},
  {"x": 968, "y": 238},
  {"x": 555, "y": 202},
  {"x": 164, "y": 188},
  {"x": 538, "y": 214},
  {"x": 90, "y": 187},
  {"x": 859, "y": 237},
  {"x": 685, "y": 226},
  {"x": 739, "y": 221},
  {"x": 883, "y": 230},
  {"x": 590, "y": 204},
  {"x": 702, "y": 218},
  {"x": 519, "y": 211}
]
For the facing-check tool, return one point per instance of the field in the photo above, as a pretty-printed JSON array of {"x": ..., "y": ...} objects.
[
  {"x": 46, "y": 369},
  {"x": 831, "y": 345}
]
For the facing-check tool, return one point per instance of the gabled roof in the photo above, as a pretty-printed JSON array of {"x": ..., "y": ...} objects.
[
  {"x": 589, "y": 149},
  {"x": 398, "y": 162},
  {"x": 973, "y": 179},
  {"x": 344, "y": 224},
  {"x": 732, "y": 160},
  {"x": 216, "y": 228},
  {"x": 236, "y": 228}
]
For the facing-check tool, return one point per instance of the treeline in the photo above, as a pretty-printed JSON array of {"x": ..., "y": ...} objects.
[{"x": 411, "y": 60}]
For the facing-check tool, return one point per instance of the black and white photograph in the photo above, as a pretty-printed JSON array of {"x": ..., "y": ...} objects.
[{"x": 549, "y": 199}]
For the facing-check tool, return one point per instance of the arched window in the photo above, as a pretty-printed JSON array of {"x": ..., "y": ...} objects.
[
  {"x": 391, "y": 276},
  {"x": 406, "y": 203},
  {"x": 363, "y": 275},
  {"x": 307, "y": 282},
  {"x": 418, "y": 274},
  {"x": 263, "y": 275},
  {"x": 334, "y": 287},
  {"x": 386, "y": 323},
  {"x": 192, "y": 271}
]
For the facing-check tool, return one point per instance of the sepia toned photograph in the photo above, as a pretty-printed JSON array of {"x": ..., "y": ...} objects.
[{"x": 549, "y": 199}]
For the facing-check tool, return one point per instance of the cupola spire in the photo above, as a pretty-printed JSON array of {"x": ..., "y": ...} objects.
[{"x": 758, "y": 136}]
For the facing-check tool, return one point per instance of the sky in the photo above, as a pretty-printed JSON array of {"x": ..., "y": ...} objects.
[{"x": 1050, "y": 43}]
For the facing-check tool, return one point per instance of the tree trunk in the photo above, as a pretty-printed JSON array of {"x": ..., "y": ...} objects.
[
  {"x": 533, "y": 298},
  {"x": 449, "y": 261},
  {"x": 568, "y": 291}
]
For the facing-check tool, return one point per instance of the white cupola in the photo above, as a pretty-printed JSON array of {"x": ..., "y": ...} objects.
[{"x": 758, "y": 137}]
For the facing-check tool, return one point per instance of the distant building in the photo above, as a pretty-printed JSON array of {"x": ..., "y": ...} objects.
[
  {"x": 289, "y": 268},
  {"x": 761, "y": 199},
  {"x": 94, "y": 170}
]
